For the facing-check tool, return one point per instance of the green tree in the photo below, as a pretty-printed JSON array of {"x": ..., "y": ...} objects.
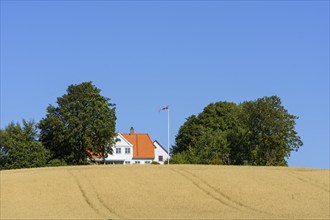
[
  {"x": 83, "y": 122},
  {"x": 272, "y": 135},
  {"x": 188, "y": 135},
  {"x": 208, "y": 137},
  {"x": 19, "y": 147},
  {"x": 259, "y": 132}
]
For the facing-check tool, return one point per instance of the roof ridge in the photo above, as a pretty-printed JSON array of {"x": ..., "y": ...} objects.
[{"x": 133, "y": 134}]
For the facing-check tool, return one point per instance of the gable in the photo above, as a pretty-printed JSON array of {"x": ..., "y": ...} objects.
[
  {"x": 158, "y": 145},
  {"x": 122, "y": 141}
]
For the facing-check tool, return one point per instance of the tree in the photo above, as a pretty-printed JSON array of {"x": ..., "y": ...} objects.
[
  {"x": 83, "y": 123},
  {"x": 259, "y": 132},
  {"x": 208, "y": 137},
  {"x": 271, "y": 136},
  {"x": 19, "y": 147}
]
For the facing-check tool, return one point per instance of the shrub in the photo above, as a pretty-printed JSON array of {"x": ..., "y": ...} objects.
[
  {"x": 20, "y": 148},
  {"x": 179, "y": 158},
  {"x": 56, "y": 163}
]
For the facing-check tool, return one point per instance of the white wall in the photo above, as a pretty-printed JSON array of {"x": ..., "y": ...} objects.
[
  {"x": 122, "y": 144},
  {"x": 141, "y": 161},
  {"x": 159, "y": 151}
]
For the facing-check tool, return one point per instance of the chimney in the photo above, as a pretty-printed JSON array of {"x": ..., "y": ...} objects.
[{"x": 131, "y": 131}]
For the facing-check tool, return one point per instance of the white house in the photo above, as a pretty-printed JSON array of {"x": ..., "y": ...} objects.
[
  {"x": 122, "y": 153},
  {"x": 134, "y": 148},
  {"x": 161, "y": 153}
]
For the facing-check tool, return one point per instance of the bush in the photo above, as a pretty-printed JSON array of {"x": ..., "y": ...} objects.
[
  {"x": 155, "y": 163},
  {"x": 56, "y": 163},
  {"x": 179, "y": 158},
  {"x": 20, "y": 148}
]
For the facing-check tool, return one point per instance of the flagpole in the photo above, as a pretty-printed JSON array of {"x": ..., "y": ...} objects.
[{"x": 168, "y": 135}]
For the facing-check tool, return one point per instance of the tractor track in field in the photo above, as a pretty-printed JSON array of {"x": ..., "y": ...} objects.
[
  {"x": 309, "y": 181},
  {"x": 246, "y": 207},
  {"x": 83, "y": 193},
  {"x": 93, "y": 199},
  {"x": 217, "y": 194},
  {"x": 207, "y": 192},
  {"x": 101, "y": 200}
]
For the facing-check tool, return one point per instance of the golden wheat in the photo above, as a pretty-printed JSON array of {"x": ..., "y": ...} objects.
[{"x": 165, "y": 192}]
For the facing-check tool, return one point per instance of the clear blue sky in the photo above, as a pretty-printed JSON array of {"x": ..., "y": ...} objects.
[{"x": 146, "y": 55}]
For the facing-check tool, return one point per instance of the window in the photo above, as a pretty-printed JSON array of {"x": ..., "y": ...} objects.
[
  {"x": 147, "y": 162},
  {"x": 127, "y": 162},
  {"x": 160, "y": 158},
  {"x": 118, "y": 150},
  {"x": 127, "y": 150},
  {"x": 137, "y": 162}
]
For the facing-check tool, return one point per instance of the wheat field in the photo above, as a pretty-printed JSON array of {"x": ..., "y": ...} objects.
[{"x": 165, "y": 192}]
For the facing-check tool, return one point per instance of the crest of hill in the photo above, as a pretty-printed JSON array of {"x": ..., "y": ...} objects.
[{"x": 167, "y": 192}]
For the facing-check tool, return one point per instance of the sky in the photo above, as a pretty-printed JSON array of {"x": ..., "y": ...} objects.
[{"x": 145, "y": 55}]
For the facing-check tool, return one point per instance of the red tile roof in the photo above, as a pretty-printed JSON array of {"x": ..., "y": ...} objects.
[
  {"x": 143, "y": 147},
  {"x": 94, "y": 155}
]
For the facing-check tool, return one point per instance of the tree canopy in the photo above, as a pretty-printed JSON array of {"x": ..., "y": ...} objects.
[
  {"x": 82, "y": 122},
  {"x": 259, "y": 132},
  {"x": 20, "y": 148}
]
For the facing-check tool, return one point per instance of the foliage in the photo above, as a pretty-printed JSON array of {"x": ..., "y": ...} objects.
[
  {"x": 257, "y": 132},
  {"x": 19, "y": 147},
  {"x": 82, "y": 123},
  {"x": 180, "y": 158},
  {"x": 209, "y": 137},
  {"x": 155, "y": 163},
  {"x": 271, "y": 136},
  {"x": 56, "y": 163}
]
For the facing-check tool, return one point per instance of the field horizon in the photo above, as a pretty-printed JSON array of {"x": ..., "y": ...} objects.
[{"x": 165, "y": 192}]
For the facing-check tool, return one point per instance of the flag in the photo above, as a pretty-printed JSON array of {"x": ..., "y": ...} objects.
[{"x": 162, "y": 109}]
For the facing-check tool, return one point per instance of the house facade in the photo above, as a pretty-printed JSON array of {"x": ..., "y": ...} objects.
[
  {"x": 161, "y": 154},
  {"x": 132, "y": 148}
]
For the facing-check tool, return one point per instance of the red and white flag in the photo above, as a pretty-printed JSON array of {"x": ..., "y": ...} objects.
[{"x": 162, "y": 109}]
